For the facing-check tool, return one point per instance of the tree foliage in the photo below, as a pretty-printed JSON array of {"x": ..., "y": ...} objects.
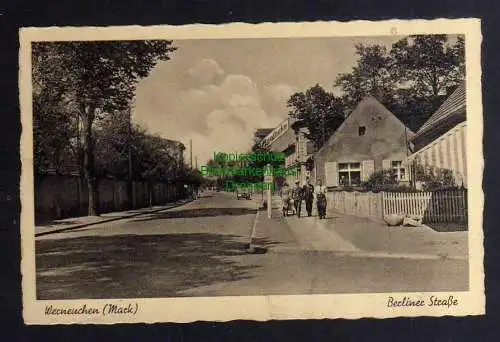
[
  {"x": 428, "y": 63},
  {"x": 319, "y": 111},
  {"x": 154, "y": 158},
  {"x": 434, "y": 179},
  {"x": 96, "y": 79},
  {"x": 372, "y": 75},
  {"x": 382, "y": 180},
  {"x": 412, "y": 79}
]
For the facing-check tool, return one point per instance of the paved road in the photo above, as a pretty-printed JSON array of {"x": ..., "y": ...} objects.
[{"x": 197, "y": 250}]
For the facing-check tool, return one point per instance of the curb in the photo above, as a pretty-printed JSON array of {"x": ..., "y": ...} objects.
[
  {"x": 374, "y": 254},
  {"x": 109, "y": 220}
]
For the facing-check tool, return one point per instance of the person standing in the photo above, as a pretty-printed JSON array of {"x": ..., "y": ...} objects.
[
  {"x": 297, "y": 197},
  {"x": 308, "y": 196},
  {"x": 320, "y": 194}
]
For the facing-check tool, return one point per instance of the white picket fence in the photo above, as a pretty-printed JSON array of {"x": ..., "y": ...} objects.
[{"x": 442, "y": 206}]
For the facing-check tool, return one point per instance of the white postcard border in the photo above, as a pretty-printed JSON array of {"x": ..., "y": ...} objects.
[{"x": 269, "y": 307}]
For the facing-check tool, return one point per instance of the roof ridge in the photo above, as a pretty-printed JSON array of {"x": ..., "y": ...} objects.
[{"x": 455, "y": 101}]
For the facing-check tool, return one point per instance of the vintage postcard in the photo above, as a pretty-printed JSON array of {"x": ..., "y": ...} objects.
[{"x": 240, "y": 171}]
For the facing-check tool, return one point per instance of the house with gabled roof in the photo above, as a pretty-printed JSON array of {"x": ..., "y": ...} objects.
[
  {"x": 441, "y": 141},
  {"x": 370, "y": 139}
]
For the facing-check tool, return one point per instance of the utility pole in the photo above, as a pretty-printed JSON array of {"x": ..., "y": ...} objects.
[
  {"x": 191, "y": 153},
  {"x": 269, "y": 198},
  {"x": 196, "y": 162}
]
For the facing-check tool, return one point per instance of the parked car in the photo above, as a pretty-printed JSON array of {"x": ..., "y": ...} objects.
[{"x": 241, "y": 193}]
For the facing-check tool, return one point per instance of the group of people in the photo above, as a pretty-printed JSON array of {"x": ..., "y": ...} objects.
[{"x": 293, "y": 198}]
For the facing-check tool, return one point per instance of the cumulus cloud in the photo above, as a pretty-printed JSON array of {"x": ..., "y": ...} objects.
[
  {"x": 276, "y": 97},
  {"x": 219, "y": 116},
  {"x": 205, "y": 71},
  {"x": 281, "y": 92}
]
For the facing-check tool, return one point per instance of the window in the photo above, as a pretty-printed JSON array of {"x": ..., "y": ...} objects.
[
  {"x": 361, "y": 130},
  {"x": 350, "y": 174},
  {"x": 400, "y": 171}
]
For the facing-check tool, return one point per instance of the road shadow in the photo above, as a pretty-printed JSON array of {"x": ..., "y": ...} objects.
[
  {"x": 201, "y": 212},
  {"x": 133, "y": 266}
]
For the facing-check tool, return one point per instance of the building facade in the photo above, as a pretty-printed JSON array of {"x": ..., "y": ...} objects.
[
  {"x": 290, "y": 140},
  {"x": 177, "y": 149},
  {"x": 441, "y": 141},
  {"x": 370, "y": 139}
]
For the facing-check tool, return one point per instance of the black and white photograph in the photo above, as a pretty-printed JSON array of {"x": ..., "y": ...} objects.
[{"x": 272, "y": 171}]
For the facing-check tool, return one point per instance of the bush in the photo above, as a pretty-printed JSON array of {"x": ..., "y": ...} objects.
[
  {"x": 435, "y": 179},
  {"x": 383, "y": 180},
  {"x": 402, "y": 188}
]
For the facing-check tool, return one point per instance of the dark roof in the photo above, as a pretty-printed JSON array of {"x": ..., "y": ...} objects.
[{"x": 453, "y": 104}]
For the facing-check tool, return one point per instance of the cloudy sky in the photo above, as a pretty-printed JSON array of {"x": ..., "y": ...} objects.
[{"x": 217, "y": 92}]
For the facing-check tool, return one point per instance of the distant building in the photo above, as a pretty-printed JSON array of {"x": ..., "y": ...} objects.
[
  {"x": 176, "y": 148},
  {"x": 441, "y": 141},
  {"x": 370, "y": 139},
  {"x": 287, "y": 138}
]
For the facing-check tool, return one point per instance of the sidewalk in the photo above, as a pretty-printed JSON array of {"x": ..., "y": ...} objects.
[
  {"x": 85, "y": 221},
  {"x": 375, "y": 236},
  {"x": 361, "y": 236},
  {"x": 306, "y": 233}
]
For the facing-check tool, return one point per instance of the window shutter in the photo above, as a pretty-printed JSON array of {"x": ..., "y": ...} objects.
[
  {"x": 331, "y": 174},
  {"x": 367, "y": 168},
  {"x": 386, "y": 164}
]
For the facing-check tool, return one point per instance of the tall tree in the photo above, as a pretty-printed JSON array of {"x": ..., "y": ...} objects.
[
  {"x": 320, "y": 111},
  {"x": 411, "y": 80},
  {"x": 429, "y": 64},
  {"x": 428, "y": 68},
  {"x": 154, "y": 161},
  {"x": 371, "y": 75},
  {"x": 100, "y": 78},
  {"x": 112, "y": 138},
  {"x": 53, "y": 116}
]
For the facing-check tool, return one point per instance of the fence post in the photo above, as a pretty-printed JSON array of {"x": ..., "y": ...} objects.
[{"x": 382, "y": 202}]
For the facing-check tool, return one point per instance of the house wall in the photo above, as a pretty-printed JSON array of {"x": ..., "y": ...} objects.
[
  {"x": 447, "y": 152},
  {"x": 385, "y": 140}
]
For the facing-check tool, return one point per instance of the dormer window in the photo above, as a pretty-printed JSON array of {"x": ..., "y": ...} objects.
[{"x": 361, "y": 130}]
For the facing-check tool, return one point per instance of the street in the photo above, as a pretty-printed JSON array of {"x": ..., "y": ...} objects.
[{"x": 197, "y": 249}]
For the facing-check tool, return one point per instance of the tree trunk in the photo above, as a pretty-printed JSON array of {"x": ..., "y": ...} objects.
[
  {"x": 89, "y": 159},
  {"x": 150, "y": 192},
  {"x": 150, "y": 197}
]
